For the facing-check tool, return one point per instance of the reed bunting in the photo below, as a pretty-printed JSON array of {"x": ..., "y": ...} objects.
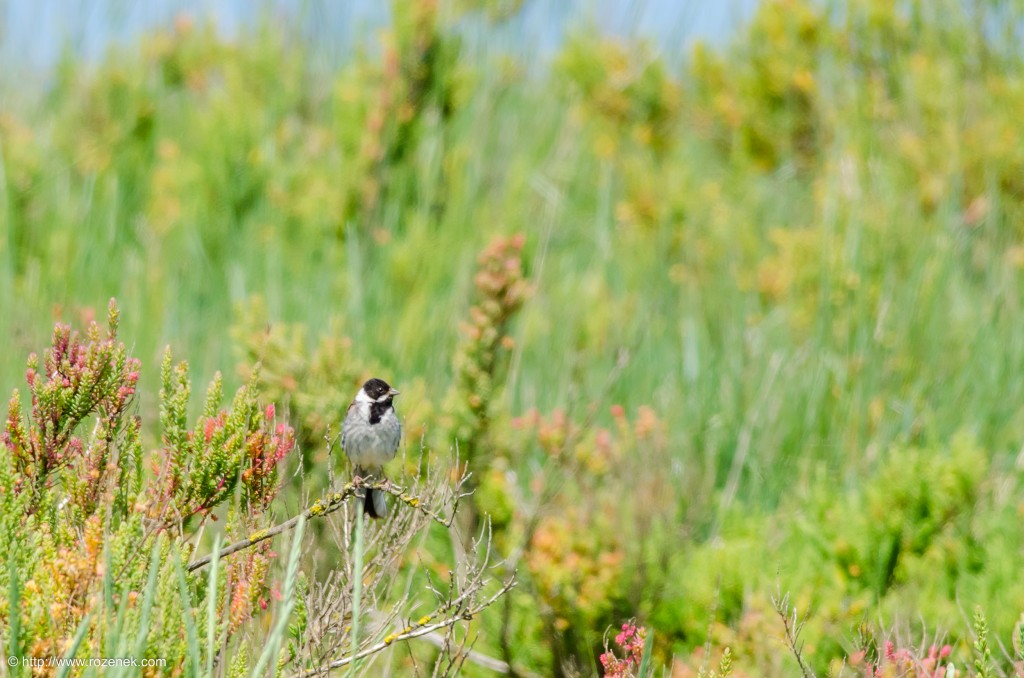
[{"x": 370, "y": 436}]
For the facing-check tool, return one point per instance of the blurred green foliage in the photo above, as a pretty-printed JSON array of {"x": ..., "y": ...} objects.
[{"x": 774, "y": 326}]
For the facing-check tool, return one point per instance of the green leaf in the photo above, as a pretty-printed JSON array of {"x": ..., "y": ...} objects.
[
  {"x": 190, "y": 623},
  {"x": 357, "y": 587},
  {"x": 147, "y": 599},
  {"x": 211, "y": 608},
  {"x": 646, "y": 658},
  {"x": 83, "y": 628},
  {"x": 272, "y": 646},
  {"x": 14, "y": 611}
]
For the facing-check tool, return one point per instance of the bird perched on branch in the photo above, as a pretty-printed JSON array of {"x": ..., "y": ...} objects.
[{"x": 370, "y": 436}]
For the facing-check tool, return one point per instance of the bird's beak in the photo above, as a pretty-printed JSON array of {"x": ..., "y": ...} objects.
[{"x": 393, "y": 392}]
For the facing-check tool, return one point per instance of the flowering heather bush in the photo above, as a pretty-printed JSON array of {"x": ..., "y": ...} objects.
[
  {"x": 593, "y": 551},
  {"x": 501, "y": 289},
  {"x": 81, "y": 377},
  {"x": 201, "y": 465},
  {"x": 630, "y": 641},
  {"x": 86, "y": 532}
]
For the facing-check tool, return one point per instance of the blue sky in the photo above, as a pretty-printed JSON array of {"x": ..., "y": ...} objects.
[{"x": 35, "y": 31}]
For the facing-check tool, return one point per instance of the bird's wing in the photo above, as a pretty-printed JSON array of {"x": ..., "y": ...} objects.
[{"x": 347, "y": 422}]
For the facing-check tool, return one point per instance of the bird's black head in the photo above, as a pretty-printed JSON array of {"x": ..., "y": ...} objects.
[{"x": 379, "y": 390}]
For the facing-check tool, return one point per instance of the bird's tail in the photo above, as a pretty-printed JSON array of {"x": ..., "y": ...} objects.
[
  {"x": 373, "y": 500},
  {"x": 374, "y": 505}
]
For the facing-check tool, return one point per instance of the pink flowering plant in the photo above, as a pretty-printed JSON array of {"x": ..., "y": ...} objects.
[
  {"x": 81, "y": 376},
  {"x": 501, "y": 289},
  {"x": 199, "y": 466},
  {"x": 632, "y": 642},
  {"x": 87, "y": 533},
  {"x": 904, "y": 661}
]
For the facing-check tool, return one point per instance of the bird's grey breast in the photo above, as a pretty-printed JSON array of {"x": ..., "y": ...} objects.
[{"x": 370, "y": 444}]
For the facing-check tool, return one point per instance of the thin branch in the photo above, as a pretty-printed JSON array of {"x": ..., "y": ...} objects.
[
  {"x": 416, "y": 630},
  {"x": 479, "y": 658},
  {"x": 472, "y": 656},
  {"x": 793, "y": 627},
  {"x": 319, "y": 509}
]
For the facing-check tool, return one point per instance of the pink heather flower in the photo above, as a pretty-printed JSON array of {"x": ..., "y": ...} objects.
[
  {"x": 208, "y": 429},
  {"x": 631, "y": 641},
  {"x": 269, "y": 413}
]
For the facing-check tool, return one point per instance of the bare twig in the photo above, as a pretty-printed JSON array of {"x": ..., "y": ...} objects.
[
  {"x": 420, "y": 628},
  {"x": 479, "y": 658},
  {"x": 324, "y": 507},
  {"x": 793, "y": 627},
  {"x": 472, "y": 656}
]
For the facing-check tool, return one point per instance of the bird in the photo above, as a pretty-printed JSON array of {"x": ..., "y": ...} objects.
[{"x": 370, "y": 435}]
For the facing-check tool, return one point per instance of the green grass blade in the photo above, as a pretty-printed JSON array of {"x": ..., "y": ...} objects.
[
  {"x": 357, "y": 586},
  {"x": 107, "y": 637},
  {"x": 83, "y": 628},
  {"x": 646, "y": 658},
  {"x": 273, "y": 643},
  {"x": 147, "y": 599},
  {"x": 191, "y": 635},
  {"x": 14, "y": 612},
  {"x": 211, "y": 609},
  {"x": 14, "y": 606},
  {"x": 115, "y": 639},
  {"x": 108, "y": 580}
]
